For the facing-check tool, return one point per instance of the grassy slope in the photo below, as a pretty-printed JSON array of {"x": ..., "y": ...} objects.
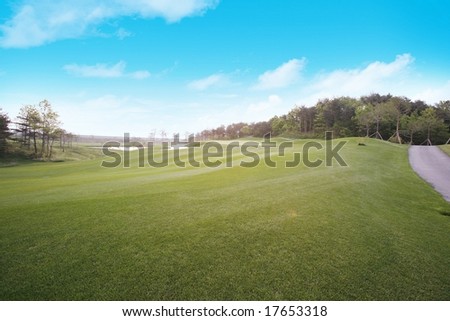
[
  {"x": 76, "y": 153},
  {"x": 445, "y": 148},
  {"x": 372, "y": 230}
]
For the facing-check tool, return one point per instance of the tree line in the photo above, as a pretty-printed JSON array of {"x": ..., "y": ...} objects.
[
  {"x": 34, "y": 132},
  {"x": 394, "y": 118}
]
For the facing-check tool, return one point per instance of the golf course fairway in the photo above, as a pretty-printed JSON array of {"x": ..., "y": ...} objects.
[{"x": 372, "y": 230}]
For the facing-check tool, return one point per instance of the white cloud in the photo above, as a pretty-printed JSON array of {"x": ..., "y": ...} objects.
[
  {"x": 357, "y": 79},
  {"x": 96, "y": 71},
  {"x": 107, "y": 102},
  {"x": 122, "y": 34},
  {"x": 105, "y": 115},
  {"x": 283, "y": 76},
  {"x": 434, "y": 94},
  {"x": 141, "y": 74},
  {"x": 382, "y": 77},
  {"x": 207, "y": 82},
  {"x": 104, "y": 71},
  {"x": 37, "y": 22},
  {"x": 272, "y": 102},
  {"x": 171, "y": 10}
]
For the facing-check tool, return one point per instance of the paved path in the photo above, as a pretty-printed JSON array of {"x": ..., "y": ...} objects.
[{"x": 433, "y": 165}]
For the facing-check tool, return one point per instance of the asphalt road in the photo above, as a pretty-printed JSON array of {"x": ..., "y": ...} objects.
[{"x": 433, "y": 165}]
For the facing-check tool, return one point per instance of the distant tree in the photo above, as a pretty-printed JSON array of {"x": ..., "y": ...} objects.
[
  {"x": 50, "y": 126},
  {"x": 396, "y": 108},
  {"x": 70, "y": 138},
  {"x": 63, "y": 137},
  {"x": 206, "y": 134},
  {"x": 29, "y": 126},
  {"x": 261, "y": 128},
  {"x": 5, "y": 132},
  {"x": 234, "y": 130},
  {"x": 430, "y": 122},
  {"x": 378, "y": 115},
  {"x": 220, "y": 132},
  {"x": 375, "y": 99},
  {"x": 413, "y": 124},
  {"x": 278, "y": 125},
  {"x": 418, "y": 106},
  {"x": 319, "y": 121},
  {"x": 337, "y": 115},
  {"x": 36, "y": 123},
  {"x": 245, "y": 131},
  {"x": 364, "y": 118},
  {"x": 163, "y": 134},
  {"x": 152, "y": 135},
  {"x": 443, "y": 112},
  {"x": 300, "y": 120}
]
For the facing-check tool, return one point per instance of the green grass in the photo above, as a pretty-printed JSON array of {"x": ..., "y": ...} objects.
[
  {"x": 445, "y": 148},
  {"x": 76, "y": 153},
  {"x": 370, "y": 231}
]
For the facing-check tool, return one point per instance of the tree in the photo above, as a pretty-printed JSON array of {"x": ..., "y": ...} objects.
[
  {"x": 419, "y": 106},
  {"x": 397, "y": 107},
  {"x": 261, "y": 128},
  {"x": 30, "y": 124},
  {"x": 413, "y": 124},
  {"x": 246, "y": 131},
  {"x": 364, "y": 117},
  {"x": 375, "y": 99},
  {"x": 5, "y": 133},
  {"x": 36, "y": 123},
  {"x": 337, "y": 115},
  {"x": 152, "y": 135},
  {"x": 233, "y": 131},
  {"x": 50, "y": 126},
  {"x": 220, "y": 132},
  {"x": 443, "y": 112},
  {"x": 430, "y": 121},
  {"x": 163, "y": 135},
  {"x": 379, "y": 113},
  {"x": 300, "y": 120},
  {"x": 277, "y": 125}
]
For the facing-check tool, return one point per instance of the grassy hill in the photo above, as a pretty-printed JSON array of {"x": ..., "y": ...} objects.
[
  {"x": 370, "y": 231},
  {"x": 76, "y": 153}
]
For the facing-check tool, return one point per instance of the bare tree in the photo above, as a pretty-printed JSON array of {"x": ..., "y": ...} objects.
[{"x": 163, "y": 135}]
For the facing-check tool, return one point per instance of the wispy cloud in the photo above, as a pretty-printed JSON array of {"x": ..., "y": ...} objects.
[
  {"x": 208, "y": 82},
  {"x": 272, "y": 102},
  {"x": 383, "y": 77},
  {"x": 356, "y": 79},
  {"x": 37, "y": 22},
  {"x": 171, "y": 10},
  {"x": 434, "y": 94},
  {"x": 283, "y": 76},
  {"x": 122, "y": 34},
  {"x": 104, "y": 71},
  {"x": 141, "y": 74}
]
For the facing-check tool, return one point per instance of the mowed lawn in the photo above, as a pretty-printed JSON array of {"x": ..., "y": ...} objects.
[
  {"x": 445, "y": 148},
  {"x": 370, "y": 231}
]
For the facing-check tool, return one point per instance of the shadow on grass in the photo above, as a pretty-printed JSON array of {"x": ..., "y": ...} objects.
[{"x": 445, "y": 213}]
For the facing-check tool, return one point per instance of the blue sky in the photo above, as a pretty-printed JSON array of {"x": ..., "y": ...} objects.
[{"x": 116, "y": 66}]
